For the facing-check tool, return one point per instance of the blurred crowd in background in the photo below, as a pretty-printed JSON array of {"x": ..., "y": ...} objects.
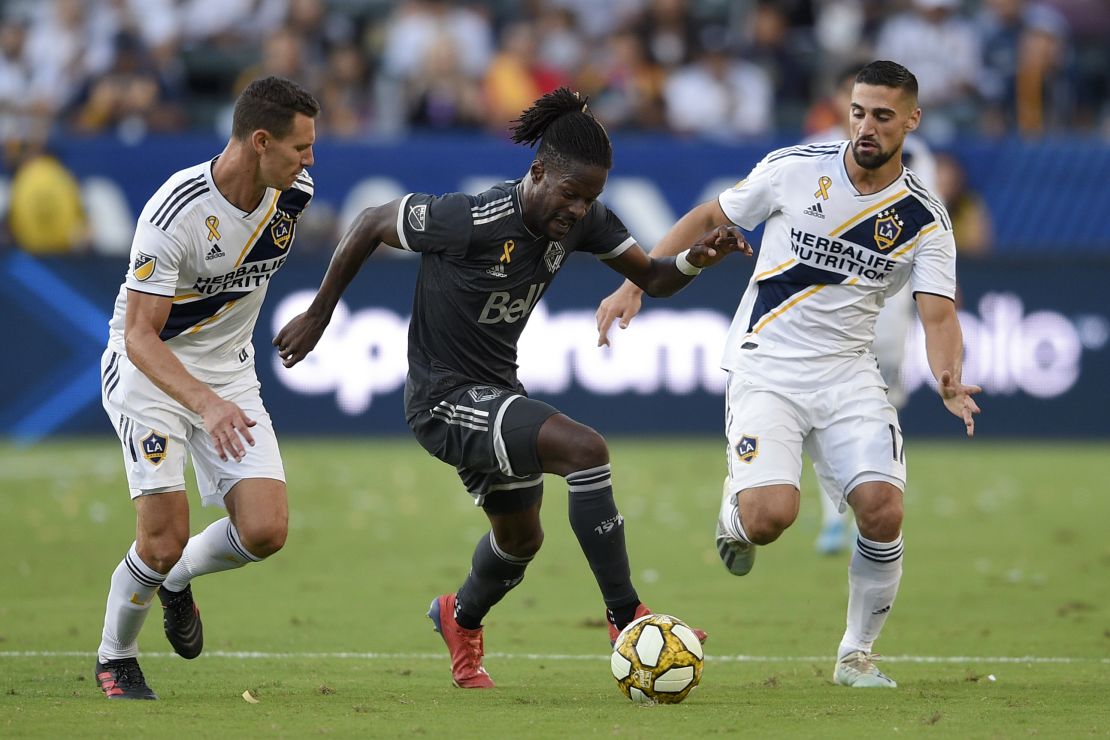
[
  {"x": 719, "y": 68},
  {"x": 728, "y": 70}
]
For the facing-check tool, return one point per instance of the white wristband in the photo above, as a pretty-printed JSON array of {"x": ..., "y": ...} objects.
[{"x": 684, "y": 265}]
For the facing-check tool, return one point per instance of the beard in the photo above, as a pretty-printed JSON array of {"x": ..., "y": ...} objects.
[{"x": 871, "y": 161}]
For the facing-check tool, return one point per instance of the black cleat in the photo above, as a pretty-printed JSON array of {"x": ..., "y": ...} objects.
[
  {"x": 181, "y": 620},
  {"x": 122, "y": 679}
]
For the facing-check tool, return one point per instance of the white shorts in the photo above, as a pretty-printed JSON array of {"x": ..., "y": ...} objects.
[
  {"x": 850, "y": 432},
  {"x": 156, "y": 433}
]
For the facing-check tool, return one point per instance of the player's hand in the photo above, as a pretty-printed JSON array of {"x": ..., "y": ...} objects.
[
  {"x": 228, "y": 427},
  {"x": 715, "y": 245},
  {"x": 958, "y": 399},
  {"x": 623, "y": 304},
  {"x": 299, "y": 337}
]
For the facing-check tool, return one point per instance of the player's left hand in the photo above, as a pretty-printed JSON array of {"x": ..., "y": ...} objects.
[
  {"x": 715, "y": 245},
  {"x": 958, "y": 399}
]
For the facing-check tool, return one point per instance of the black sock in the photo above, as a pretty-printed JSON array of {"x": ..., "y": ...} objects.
[
  {"x": 621, "y": 616},
  {"x": 493, "y": 573},
  {"x": 599, "y": 528}
]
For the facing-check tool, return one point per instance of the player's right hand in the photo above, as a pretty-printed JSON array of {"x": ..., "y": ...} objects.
[
  {"x": 297, "y": 338},
  {"x": 958, "y": 399},
  {"x": 228, "y": 427},
  {"x": 623, "y": 304}
]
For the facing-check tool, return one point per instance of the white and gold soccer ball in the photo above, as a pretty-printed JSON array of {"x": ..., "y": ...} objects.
[{"x": 657, "y": 659}]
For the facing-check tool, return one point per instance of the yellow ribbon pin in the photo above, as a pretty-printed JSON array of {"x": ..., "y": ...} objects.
[
  {"x": 823, "y": 185},
  {"x": 212, "y": 223},
  {"x": 508, "y": 246}
]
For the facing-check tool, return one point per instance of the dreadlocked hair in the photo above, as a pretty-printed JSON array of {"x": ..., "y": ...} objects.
[{"x": 565, "y": 131}]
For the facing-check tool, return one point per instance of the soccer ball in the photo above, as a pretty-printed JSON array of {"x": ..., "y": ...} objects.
[{"x": 657, "y": 660}]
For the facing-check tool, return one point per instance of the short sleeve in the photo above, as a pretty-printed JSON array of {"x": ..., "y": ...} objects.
[
  {"x": 431, "y": 223},
  {"x": 934, "y": 264},
  {"x": 604, "y": 234},
  {"x": 156, "y": 258},
  {"x": 751, "y": 201}
]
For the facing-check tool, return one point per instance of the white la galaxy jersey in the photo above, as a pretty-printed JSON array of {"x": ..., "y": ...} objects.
[
  {"x": 828, "y": 259},
  {"x": 215, "y": 261}
]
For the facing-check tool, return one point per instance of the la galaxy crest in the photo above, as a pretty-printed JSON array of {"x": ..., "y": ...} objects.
[
  {"x": 281, "y": 229},
  {"x": 747, "y": 448},
  {"x": 888, "y": 227},
  {"x": 154, "y": 447},
  {"x": 144, "y": 266}
]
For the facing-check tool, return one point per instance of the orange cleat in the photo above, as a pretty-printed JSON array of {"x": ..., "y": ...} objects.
[{"x": 466, "y": 646}]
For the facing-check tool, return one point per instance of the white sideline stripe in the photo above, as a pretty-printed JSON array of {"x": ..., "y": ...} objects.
[{"x": 251, "y": 655}]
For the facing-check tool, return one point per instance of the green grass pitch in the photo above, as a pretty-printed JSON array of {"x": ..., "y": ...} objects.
[{"x": 1002, "y": 627}]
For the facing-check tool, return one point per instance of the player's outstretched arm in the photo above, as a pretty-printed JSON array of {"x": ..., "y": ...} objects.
[
  {"x": 374, "y": 226},
  {"x": 691, "y": 233},
  {"x": 944, "y": 347},
  {"x": 225, "y": 422}
]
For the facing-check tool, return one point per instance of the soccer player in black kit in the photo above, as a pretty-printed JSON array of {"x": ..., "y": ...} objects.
[{"x": 485, "y": 262}]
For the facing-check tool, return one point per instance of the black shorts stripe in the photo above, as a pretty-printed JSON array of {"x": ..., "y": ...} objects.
[
  {"x": 112, "y": 387},
  {"x": 131, "y": 440},
  {"x": 177, "y": 192},
  {"x": 111, "y": 374}
]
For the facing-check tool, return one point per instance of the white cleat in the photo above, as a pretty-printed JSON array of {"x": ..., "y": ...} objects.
[
  {"x": 859, "y": 671},
  {"x": 738, "y": 556}
]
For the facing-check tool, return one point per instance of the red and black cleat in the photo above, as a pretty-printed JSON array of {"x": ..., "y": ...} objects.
[{"x": 122, "y": 679}]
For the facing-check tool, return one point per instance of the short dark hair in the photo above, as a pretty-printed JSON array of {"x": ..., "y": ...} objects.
[
  {"x": 565, "y": 130},
  {"x": 270, "y": 103},
  {"x": 888, "y": 74}
]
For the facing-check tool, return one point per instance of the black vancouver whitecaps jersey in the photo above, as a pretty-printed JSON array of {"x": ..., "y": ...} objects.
[{"x": 481, "y": 274}]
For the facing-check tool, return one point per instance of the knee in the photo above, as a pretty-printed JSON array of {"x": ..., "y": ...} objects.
[
  {"x": 522, "y": 544},
  {"x": 263, "y": 539},
  {"x": 587, "y": 450},
  {"x": 162, "y": 551},
  {"x": 881, "y": 521},
  {"x": 766, "y": 520}
]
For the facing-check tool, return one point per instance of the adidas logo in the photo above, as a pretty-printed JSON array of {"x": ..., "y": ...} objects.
[
  {"x": 815, "y": 210},
  {"x": 214, "y": 253},
  {"x": 497, "y": 271}
]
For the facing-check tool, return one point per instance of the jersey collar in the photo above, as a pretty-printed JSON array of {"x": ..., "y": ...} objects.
[
  {"x": 518, "y": 199},
  {"x": 842, "y": 173}
]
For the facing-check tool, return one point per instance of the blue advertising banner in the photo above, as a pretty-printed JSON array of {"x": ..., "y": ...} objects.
[
  {"x": 1043, "y": 196},
  {"x": 1036, "y": 334}
]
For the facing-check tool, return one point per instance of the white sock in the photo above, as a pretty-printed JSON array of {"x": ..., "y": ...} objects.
[
  {"x": 732, "y": 525},
  {"x": 873, "y": 578},
  {"x": 216, "y": 549},
  {"x": 133, "y": 586}
]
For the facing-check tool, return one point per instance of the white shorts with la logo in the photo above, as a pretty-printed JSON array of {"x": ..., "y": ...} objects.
[
  {"x": 156, "y": 433},
  {"x": 850, "y": 432}
]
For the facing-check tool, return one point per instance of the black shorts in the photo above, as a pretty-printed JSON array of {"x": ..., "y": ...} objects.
[{"x": 489, "y": 434}]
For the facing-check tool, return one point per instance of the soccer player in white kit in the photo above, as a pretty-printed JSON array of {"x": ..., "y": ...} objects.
[
  {"x": 846, "y": 225},
  {"x": 178, "y": 374},
  {"x": 895, "y": 319}
]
